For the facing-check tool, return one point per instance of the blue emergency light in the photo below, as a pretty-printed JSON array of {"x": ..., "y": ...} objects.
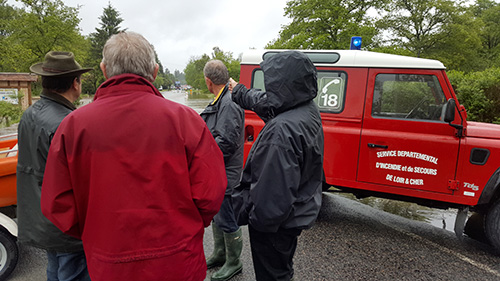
[{"x": 356, "y": 43}]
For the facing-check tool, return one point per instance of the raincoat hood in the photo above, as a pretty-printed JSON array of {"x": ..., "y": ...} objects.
[{"x": 290, "y": 79}]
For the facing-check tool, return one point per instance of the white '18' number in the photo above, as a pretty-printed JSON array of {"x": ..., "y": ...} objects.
[{"x": 330, "y": 100}]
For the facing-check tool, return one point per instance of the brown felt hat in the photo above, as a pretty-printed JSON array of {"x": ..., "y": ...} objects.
[{"x": 58, "y": 64}]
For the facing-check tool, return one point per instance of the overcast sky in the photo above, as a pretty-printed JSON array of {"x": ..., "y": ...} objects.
[{"x": 185, "y": 28}]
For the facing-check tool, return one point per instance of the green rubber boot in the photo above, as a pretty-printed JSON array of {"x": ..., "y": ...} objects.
[
  {"x": 233, "y": 265},
  {"x": 218, "y": 257}
]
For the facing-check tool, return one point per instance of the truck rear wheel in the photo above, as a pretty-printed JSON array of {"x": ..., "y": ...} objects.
[
  {"x": 492, "y": 225},
  {"x": 9, "y": 254}
]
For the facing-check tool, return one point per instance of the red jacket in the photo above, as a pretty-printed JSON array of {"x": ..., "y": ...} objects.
[{"x": 137, "y": 178}]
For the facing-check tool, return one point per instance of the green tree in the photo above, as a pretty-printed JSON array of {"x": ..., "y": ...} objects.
[
  {"x": 110, "y": 21},
  {"x": 7, "y": 15},
  {"x": 194, "y": 68},
  {"x": 179, "y": 76},
  {"x": 440, "y": 29},
  {"x": 326, "y": 24},
  {"x": 160, "y": 77},
  {"x": 47, "y": 26},
  {"x": 233, "y": 65},
  {"x": 42, "y": 26},
  {"x": 168, "y": 79},
  {"x": 488, "y": 12},
  {"x": 194, "y": 72}
]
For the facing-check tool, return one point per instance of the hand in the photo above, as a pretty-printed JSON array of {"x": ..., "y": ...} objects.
[{"x": 232, "y": 84}]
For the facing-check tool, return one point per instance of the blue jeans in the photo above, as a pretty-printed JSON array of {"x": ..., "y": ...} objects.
[
  {"x": 225, "y": 219},
  {"x": 67, "y": 266}
]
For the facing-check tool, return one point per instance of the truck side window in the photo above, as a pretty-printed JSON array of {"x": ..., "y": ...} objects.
[
  {"x": 331, "y": 89},
  {"x": 408, "y": 96},
  {"x": 258, "y": 79}
]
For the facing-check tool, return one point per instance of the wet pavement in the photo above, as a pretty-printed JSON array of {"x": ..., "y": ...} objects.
[{"x": 353, "y": 241}]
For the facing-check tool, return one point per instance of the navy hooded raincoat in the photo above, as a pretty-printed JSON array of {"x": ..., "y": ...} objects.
[{"x": 281, "y": 183}]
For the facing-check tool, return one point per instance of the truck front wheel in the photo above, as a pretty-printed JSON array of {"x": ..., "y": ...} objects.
[
  {"x": 492, "y": 225},
  {"x": 474, "y": 228},
  {"x": 9, "y": 254}
]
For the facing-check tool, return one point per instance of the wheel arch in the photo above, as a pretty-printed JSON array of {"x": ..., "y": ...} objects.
[
  {"x": 8, "y": 224},
  {"x": 491, "y": 191}
]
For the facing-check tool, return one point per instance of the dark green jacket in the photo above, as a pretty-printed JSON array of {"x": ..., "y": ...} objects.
[{"x": 36, "y": 129}]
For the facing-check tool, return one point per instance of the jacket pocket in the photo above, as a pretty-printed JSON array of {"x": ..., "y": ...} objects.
[
  {"x": 133, "y": 256},
  {"x": 241, "y": 204}
]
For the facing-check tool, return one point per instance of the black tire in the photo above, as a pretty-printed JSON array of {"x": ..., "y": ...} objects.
[
  {"x": 325, "y": 185},
  {"x": 9, "y": 254},
  {"x": 492, "y": 226},
  {"x": 474, "y": 228}
]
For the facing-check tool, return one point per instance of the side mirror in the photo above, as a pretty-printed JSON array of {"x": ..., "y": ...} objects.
[
  {"x": 449, "y": 116},
  {"x": 449, "y": 111}
]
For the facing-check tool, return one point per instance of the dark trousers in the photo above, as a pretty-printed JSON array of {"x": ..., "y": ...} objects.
[
  {"x": 272, "y": 253},
  {"x": 225, "y": 219}
]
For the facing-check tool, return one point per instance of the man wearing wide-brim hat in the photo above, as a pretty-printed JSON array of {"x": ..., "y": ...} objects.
[{"x": 61, "y": 87}]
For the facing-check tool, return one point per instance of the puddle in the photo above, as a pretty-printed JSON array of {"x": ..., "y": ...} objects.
[
  {"x": 444, "y": 219},
  {"x": 198, "y": 104},
  {"x": 182, "y": 97}
]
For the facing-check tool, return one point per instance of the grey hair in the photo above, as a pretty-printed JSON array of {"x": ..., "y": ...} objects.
[
  {"x": 129, "y": 52},
  {"x": 216, "y": 71}
]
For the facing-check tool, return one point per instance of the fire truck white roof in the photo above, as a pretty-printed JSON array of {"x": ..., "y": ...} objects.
[{"x": 353, "y": 58}]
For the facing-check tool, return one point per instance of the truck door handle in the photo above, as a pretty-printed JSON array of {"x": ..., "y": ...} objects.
[{"x": 372, "y": 145}]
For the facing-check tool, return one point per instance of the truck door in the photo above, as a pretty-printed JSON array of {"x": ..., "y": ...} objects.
[{"x": 405, "y": 145}]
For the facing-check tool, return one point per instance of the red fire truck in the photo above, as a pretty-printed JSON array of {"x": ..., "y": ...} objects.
[{"x": 394, "y": 129}]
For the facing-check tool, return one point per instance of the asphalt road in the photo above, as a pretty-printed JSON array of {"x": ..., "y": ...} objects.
[{"x": 352, "y": 241}]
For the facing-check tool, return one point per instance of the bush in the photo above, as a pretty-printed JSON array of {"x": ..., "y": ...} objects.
[
  {"x": 9, "y": 113},
  {"x": 479, "y": 92},
  {"x": 198, "y": 94}
]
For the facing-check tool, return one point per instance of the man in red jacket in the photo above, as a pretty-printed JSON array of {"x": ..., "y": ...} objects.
[{"x": 135, "y": 176}]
